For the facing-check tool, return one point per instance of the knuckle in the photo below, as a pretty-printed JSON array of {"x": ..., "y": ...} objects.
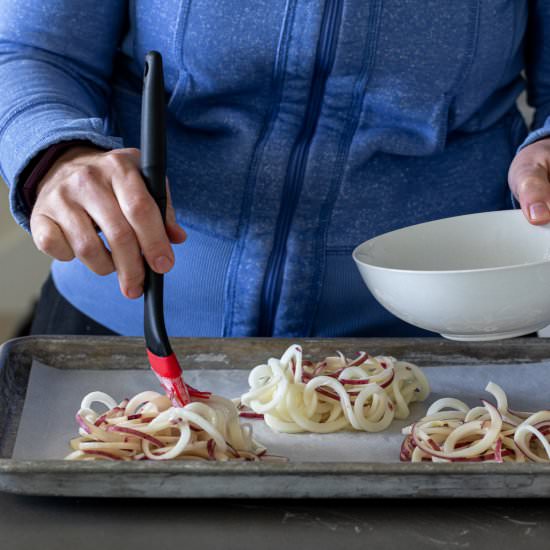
[
  {"x": 140, "y": 207},
  {"x": 122, "y": 159},
  {"x": 85, "y": 176},
  {"x": 87, "y": 248},
  {"x": 157, "y": 248},
  {"x": 58, "y": 193},
  {"x": 121, "y": 235},
  {"x": 60, "y": 196},
  {"x": 533, "y": 185},
  {"x": 46, "y": 241},
  {"x": 132, "y": 278},
  {"x": 50, "y": 197},
  {"x": 133, "y": 152},
  {"x": 114, "y": 159},
  {"x": 130, "y": 153}
]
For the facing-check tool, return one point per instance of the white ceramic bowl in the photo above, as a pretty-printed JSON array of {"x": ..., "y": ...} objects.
[{"x": 476, "y": 277}]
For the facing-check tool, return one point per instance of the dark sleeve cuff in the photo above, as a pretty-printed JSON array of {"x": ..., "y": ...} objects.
[{"x": 40, "y": 165}]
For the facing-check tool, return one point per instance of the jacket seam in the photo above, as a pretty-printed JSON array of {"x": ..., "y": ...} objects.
[
  {"x": 180, "y": 88},
  {"x": 510, "y": 52},
  {"x": 344, "y": 146},
  {"x": 33, "y": 104},
  {"x": 208, "y": 233},
  {"x": 465, "y": 70},
  {"x": 463, "y": 73},
  {"x": 278, "y": 80}
]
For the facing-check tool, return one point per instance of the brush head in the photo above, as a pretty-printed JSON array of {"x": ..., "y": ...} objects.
[{"x": 168, "y": 371}]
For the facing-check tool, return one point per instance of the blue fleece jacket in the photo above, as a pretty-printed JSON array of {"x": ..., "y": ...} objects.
[{"x": 296, "y": 129}]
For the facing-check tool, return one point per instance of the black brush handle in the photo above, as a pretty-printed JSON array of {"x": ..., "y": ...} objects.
[{"x": 153, "y": 170}]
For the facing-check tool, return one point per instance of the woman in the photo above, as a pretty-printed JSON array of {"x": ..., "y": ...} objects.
[{"x": 296, "y": 130}]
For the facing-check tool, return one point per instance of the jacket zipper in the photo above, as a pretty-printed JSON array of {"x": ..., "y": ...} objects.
[{"x": 324, "y": 60}]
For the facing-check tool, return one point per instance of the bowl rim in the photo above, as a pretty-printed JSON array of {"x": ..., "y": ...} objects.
[{"x": 447, "y": 271}]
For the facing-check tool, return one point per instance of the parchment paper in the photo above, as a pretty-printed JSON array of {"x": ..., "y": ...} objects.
[{"x": 54, "y": 396}]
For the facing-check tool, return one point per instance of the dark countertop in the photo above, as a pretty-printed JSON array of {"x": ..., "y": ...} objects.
[
  {"x": 40, "y": 523},
  {"x": 58, "y": 523}
]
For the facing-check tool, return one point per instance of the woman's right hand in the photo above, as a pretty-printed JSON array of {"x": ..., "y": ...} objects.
[{"x": 86, "y": 190}]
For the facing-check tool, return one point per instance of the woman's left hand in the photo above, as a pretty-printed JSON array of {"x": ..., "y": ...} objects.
[{"x": 529, "y": 180}]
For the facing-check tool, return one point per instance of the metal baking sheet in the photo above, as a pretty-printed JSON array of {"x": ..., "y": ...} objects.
[
  {"x": 51, "y": 375},
  {"x": 54, "y": 395}
]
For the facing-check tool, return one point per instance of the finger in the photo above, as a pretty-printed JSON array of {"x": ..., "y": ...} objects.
[
  {"x": 533, "y": 192},
  {"x": 105, "y": 211},
  {"x": 126, "y": 155},
  {"x": 176, "y": 233},
  {"x": 49, "y": 238},
  {"x": 143, "y": 215},
  {"x": 84, "y": 241}
]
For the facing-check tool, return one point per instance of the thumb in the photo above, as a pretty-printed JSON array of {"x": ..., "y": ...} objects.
[
  {"x": 530, "y": 183},
  {"x": 175, "y": 232}
]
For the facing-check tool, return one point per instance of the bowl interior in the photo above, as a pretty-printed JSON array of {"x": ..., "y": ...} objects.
[{"x": 475, "y": 241}]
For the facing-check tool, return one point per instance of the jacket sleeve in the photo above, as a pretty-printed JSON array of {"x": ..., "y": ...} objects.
[
  {"x": 537, "y": 66},
  {"x": 56, "y": 60}
]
